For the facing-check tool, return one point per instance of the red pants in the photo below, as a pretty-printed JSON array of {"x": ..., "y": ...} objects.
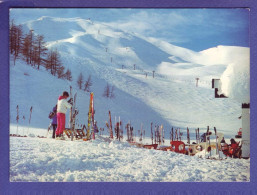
[{"x": 60, "y": 123}]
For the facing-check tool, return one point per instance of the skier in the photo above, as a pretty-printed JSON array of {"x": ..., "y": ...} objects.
[
  {"x": 62, "y": 106},
  {"x": 54, "y": 121},
  {"x": 234, "y": 148},
  {"x": 203, "y": 137},
  {"x": 224, "y": 146}
]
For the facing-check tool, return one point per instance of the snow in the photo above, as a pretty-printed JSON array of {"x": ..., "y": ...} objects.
[
  {"x": 48, "y": 160},
  {"x": 170, "y": 99},
  {"x": 235, "y": 81},
  {"x": 212, "y": 154}
]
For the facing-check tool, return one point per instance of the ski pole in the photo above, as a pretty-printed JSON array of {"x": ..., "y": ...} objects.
[
  {"x": 30, "y": 117},
  {"x": 188, "y": 136}
]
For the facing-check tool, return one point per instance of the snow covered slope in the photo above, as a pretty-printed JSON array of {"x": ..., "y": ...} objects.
[
  {"x": 97, "y": 49},
  {"x": 171, "y": 98}
]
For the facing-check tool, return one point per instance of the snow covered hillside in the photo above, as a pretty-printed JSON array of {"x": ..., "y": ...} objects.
[
  {"x": 125, "y": 60},
  {"x": 100, "y": 50}
]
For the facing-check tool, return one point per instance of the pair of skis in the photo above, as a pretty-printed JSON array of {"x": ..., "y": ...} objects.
[
  {"x": 197, "y": 136},
  {"x": 110, "y": 125},
  {"x": 175, "y": 135},
  {"x": 159, "y": 134},
  {"x": 140, "y": 133},
  {"x": 91, "y": 122},
  {"x": 188, "y": 136},
  {"x": 118, "y": 129},
  {"x": 217, "y": 145},
  {"x": 73, "y": 114},
  {"x": 208, "y": 134},
  {"x": 129, "y": 132},
  {"x": 208, "y": 148}
]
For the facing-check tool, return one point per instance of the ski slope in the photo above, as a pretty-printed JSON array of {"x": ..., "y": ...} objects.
[
  {"x": 171, "y": 98},
  {"x": 99, "y": 50}
]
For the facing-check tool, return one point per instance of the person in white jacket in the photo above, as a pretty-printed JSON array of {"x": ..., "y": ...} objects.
[{"x": 62, "y": 106}]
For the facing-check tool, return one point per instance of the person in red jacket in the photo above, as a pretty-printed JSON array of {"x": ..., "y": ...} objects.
[
  {"x": 233, "y": 147},
  {"x": 62, "y": 106}
]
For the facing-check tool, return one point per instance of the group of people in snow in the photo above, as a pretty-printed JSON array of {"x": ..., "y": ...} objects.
[
  {"x": 233, "y": 149},
  {"x": 58, "y": 116}
]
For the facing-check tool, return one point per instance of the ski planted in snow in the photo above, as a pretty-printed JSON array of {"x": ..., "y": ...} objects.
[
  {"x": 131, "y": 133},
  {"x": 127, "y": 128},
  {"x": 198, "y": 135},
  {"x": 155, "y": 134},
  {"x": 74, "y": 114},
  {"x": 70, "y": 108},
  {"x": 29, "y": 118},
  {"x": 110, "y": 125},
  {"x": 89, "y": 117},
  {"x": 163, "y": 135},
  {"x": 93, "y": 115},
  {"x": 208, "y": 141},
  {"x": 217, "y": 146},
  {"x": 188, "y": 136},
  {"x": 141, "y": 133}
]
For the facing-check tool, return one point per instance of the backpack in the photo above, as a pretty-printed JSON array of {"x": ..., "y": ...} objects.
[{"x": 51, "y": 115}]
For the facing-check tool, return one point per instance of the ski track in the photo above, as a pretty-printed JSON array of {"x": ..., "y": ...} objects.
[
  {"x": 47, "y": 160},
  {"x": 186, "y": 113}
]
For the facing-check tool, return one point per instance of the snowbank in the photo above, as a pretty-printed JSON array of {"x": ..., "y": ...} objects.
[
  {"x": 212, "y": 154},
  {"x": 235, "y": 81},
  {"x": 48, "y": 160}
]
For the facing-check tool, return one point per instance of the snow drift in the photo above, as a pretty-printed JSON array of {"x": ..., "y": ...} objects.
[
  {"x": 50, "y": 160},
  {"x": 235, "y": 81}
]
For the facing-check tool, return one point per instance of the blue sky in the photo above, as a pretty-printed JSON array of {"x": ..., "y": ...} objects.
[{"x": 196, "y": 29}]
